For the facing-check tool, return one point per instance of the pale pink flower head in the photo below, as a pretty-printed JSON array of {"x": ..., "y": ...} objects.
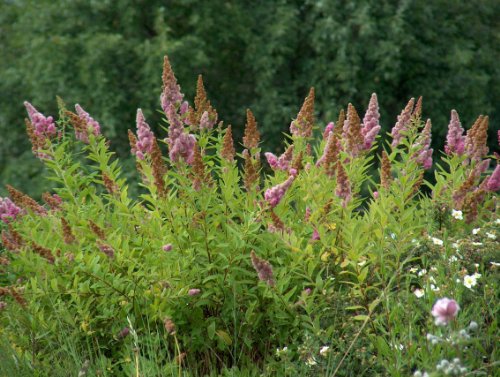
[
  {"x": 92, "y": 125},
  {"x": 315, "y": 236},
  {"x": 43, "y": 126},
  {"x": 371, "y": 126},
  {"x": 168, "y": 247},
  {"x": 444, "y": 310},
  {"x": 455, "y": 139},
  {"x": 274, "y": 195},
  {"x": 8, "y": 210},
  {"x": 493, "y": 183},
  {"x": 194, "y": 291},
  {"x": 145, "y": 137},
  {"x": 402, "y": 124},
  {"x": 329, "y": 128}
]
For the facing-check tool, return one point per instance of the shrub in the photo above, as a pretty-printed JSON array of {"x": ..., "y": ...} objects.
[{"x": 215, "y": 265}]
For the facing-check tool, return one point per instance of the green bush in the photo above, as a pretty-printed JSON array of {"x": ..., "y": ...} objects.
[{"x": 215, "y": 266}]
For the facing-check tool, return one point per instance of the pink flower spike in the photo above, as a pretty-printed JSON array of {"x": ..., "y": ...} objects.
[
  {"x": 44, "y": 126},
  {"x": 329, "y": 128},
  {"x": 402, "y": 124},
  {"x": 315, "y": 236},
  {"x": 92, "y": 125},
  {"x": 145, "y": 137},
  {"x": 444, "y": 310},
  {"x": 274, "y": 195},
  {"x": 168, "y": 247},
  {"x": 371, "y": 126},
  {"x": 194, "y": 292},
  {"x": 493, "y": 183},
  {"x": 455, "y": 139},
  {"x": 8, "y": 210}
]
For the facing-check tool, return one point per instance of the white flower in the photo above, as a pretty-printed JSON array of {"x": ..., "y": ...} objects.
[
  {"x": 422, "y": 272},
  {"x": 281, "y": 351},
  {"x": 491, "y": 236},
  {"x": 433, "y": 269},
  {"x": 455, "y": 245},
  {"x": 419, "y": 292},
  {"x": 470, "y": 281},
  {"x": 477, "y": 244},
  {"x": 434, "y": 288},
  {"x": 437, "y": 241},
  {"x": 362, "y": 263},
  {"x": 495, "y": 264},
  {"x": 453, "y": 259},
  {"x": 497, "y": 221},
  {"x": 477, "y": 275},
  {"x": 324, "y": 350},
  {"x": 476, "y": 230},
  {"x": 311, "y": 361},
  {"x": 431, "y": 279},
  {"x": 393, "y": 236},
  {"x": 457, "y": 214},
  {"x": 413, "y": 269},
  {"x": 398, "y": 346}
]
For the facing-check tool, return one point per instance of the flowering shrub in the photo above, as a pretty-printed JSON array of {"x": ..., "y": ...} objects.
[{"x": 215, "y": 265}]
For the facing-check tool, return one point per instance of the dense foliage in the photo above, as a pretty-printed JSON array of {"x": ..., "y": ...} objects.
[
  {"x": 263, "y": 55},
  {"x": 317, "y": 268}
]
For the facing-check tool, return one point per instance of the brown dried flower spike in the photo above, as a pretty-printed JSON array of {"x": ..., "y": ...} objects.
[
  {"x": 228, "y": 151},
  {"x": 303, "y": 125},
  {"x": 263, "y": 268},
  {"x": 24, "y": 201},
  {"x": 385, "y": 171},
  {"x": 251, "y": 137}
]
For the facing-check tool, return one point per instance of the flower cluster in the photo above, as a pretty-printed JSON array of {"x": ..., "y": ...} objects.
[
  {"x": 8, "y": 210},
  {"x": 274, "y": 194}
]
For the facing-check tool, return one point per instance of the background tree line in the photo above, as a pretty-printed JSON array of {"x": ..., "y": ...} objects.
[{"x": 107, "y": 56}]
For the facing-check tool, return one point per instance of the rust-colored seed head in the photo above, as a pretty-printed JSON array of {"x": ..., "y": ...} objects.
[
  {"x": 354, "y": 138},
  {"x": 297, "y": 162},
  {"x": 78, "y": 123},
  {"x": 43, "y": 252},
  {"x": 17, "y": 296},
  {"x": 24, "y": 201},
  {"x": 476, "y": 140},
  {"x": 97, "y": 230},
  {"x": 250, "y": 171},
  {"x": 202, "y": 104},
  {"x": 251, "y": 137},
  {"x": 263, "y": 268},
  {"x": 337, "y": 130},
  {"x": 11, "y": 239},
  {"x": 169, "y": 326},
  {"x": 167, "y": 76},
  {"x": 417, "y": 111},
  {"x": 159, "y": 170},
  {"x": 68, "y": 236},
  {"x": 132, "y": 139},
  {"x": 385, "y": 171},
  {"x": 228, "y": 151},
  {"x": 200, "y": 174},
  {"x": 331, "y": 154},
  {"x": 471, "y": 204},
  {"x": 52, "y": 201},
  {"x": 303, "y": 125},
  {"x": 106, "y": 249},
  {"x": 460, "y": 194},
  {"x": 418, "y": 183},
  {"x": 110, "y": 185},
  {"x": 277, "y": 222},
  {"x": 37, "y": 142}
]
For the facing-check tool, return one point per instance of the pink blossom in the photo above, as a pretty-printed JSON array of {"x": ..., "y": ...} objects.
[
  {"x": 123, "y": 333},
  {"x": 371, "y": 126},
  {"x": 307, "y": 214},
  {"x": 274, "y": 195},
  {"x": 376, "y": 194},
  {"x": 455, "y": 139},
  {"x": 168, "y": 247},
  {"x": 307, "y": 291},
  {"x": 424, "y": 155},
  {"x": 145, "y": 137},
  {"x": 329, "y": 128},
  {"x": 92, "y": 125},
  {"x": 194, "y": 292},
  {"x": 263, "y": 268},
  {"x": 402, "y": 124},
  {"x": 181, "y": 145},
  {"x": 44, "y": 126},
  {"x": 493, "y": 183},
  {"x": 8, "y": 210},
  {"x": 282, "y": 162},
  {"x": 315, "y": 236},
  {"x": 343, "y": 189},
  {"x": 444, "y": 310}
]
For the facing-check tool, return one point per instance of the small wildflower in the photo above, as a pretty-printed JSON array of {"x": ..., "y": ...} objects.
[
  {"x": 473, "y": 326},
  {"x": 444, "y": 310},
  {"x": 263, "y": 268},
  {"x": 324, "y": 351},
  {"x": 281, "y": 351},
  {"x": 495, "y": 264},
  {"x": 422, "y": 272},
  {"x": 458, "y": 215},
  {"x": 435, "y": 288},
  {"x": 470, "y": 281},
  {"x": 419, "y": 293},
  {"x": 491, "y": 236},
  {"x": 413, "y": 269},
  {"x": 167, "y": 247},
  {"x": 123, "y": 333},
  {"x": 455, "y": 245},
  {"x": 476, "y": 231},
  {"x": 453, "y": 259},
  {"x": 437, "y": 241},
  {"x": 3, "y": 305},
  {"x": 311, "y": 361},
  {"x": 194, "y": 292}
]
